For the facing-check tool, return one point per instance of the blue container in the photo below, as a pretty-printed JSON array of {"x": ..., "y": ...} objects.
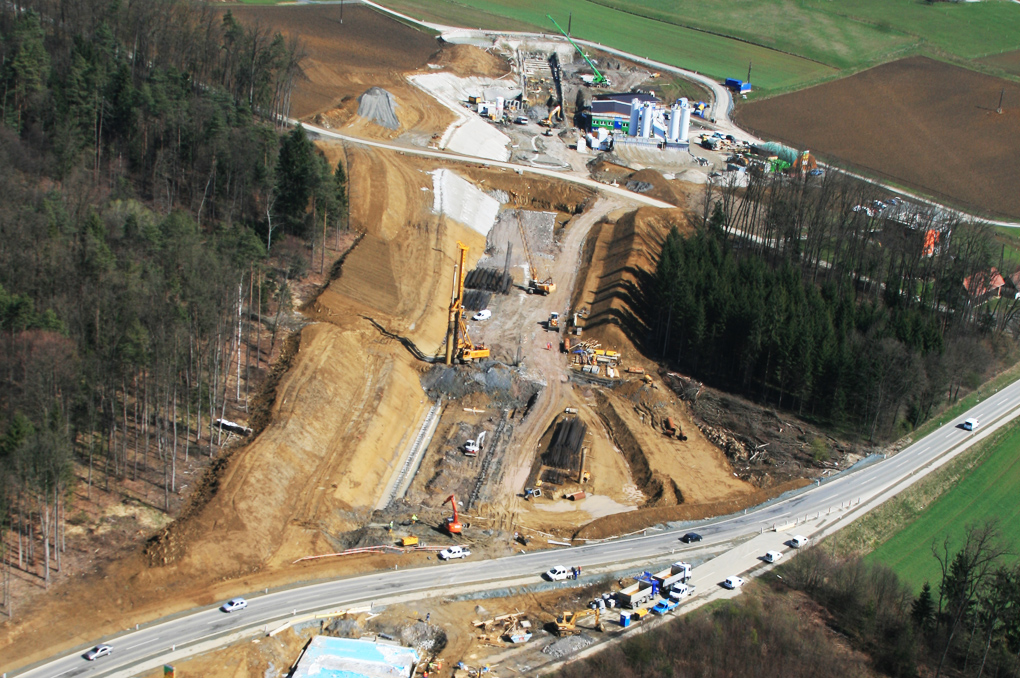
[{"x": 733, "y": 83}]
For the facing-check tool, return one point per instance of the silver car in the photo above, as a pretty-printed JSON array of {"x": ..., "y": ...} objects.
[
  {"x": 234, "y": 604},
  {"x": 97, "y": 652}
]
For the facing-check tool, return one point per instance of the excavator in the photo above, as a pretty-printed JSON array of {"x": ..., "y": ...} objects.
[
  {"x": 548, "y": 122},
  {"x": 458, "y": 341},
  {"x": 566, "y": 623},
  {"x": 546, "y": 286},
  {"x": 804, "y": 163},
  {"x": 453, "y": 525}
]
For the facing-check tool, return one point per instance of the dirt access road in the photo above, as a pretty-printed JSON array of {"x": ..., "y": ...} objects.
[{"x": 543, "y": 361}]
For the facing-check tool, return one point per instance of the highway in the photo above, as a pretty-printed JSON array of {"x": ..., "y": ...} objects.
[{"x": 850, "y": 494}]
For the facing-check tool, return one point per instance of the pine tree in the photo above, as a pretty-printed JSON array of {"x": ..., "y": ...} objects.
[{"x": 295, "y": 176}]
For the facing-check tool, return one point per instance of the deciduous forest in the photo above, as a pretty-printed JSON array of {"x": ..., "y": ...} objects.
[
  {"x": 145, "y": 180},
  {"x": 789, "y": 295}
]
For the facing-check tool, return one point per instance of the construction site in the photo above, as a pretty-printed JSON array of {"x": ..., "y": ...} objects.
[{"x": 471, "y": 374}]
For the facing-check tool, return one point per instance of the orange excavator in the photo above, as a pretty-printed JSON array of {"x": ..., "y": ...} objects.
[{"x": 453, "y": 525}]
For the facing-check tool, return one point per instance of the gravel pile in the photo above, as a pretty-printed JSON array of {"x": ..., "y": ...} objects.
[
  {"x": 568, "y": 646},
  {"x": 425, "y": 638},
  {"x": 380, "y": 107}
]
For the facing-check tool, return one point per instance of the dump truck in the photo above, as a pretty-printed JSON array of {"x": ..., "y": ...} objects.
[
  {"x": 642, "y": 590},
  {"x": 677, "y": 573}
]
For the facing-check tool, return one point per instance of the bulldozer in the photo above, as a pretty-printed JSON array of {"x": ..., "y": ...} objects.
[{"x": 566, "y": 623}]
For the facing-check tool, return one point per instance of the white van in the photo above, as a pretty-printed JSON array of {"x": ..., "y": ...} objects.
[
  {"x": 970, "y": 424},
  {"x": 797, "y": 541}
]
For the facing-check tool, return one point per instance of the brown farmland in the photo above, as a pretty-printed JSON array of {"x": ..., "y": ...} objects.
[{"x": 917, "y": 122}]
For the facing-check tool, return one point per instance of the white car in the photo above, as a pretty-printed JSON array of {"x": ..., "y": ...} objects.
[
  {"x": 733, "y": 582},
  {"x": 97, "y": 652},
  {"x": 558, "y": 573},
  {"x": 773, "y": 556},
  {"x": 454, "y": 552},
  {"x": 484, "y": 314},
  {"x": 797, "y": 541},
  {"x": 234, "y": 604}
]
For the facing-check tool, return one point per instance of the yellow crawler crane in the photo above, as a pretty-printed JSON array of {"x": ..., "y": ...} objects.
[
  {"x": 458, "y": 341},
  {"x": 546, "y": 286}
]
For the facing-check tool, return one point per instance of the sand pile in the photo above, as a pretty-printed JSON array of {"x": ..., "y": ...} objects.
[{"x": 380, "y": 107}]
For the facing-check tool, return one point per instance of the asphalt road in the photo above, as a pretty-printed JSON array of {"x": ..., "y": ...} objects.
[{"x": 855, "y": 492}]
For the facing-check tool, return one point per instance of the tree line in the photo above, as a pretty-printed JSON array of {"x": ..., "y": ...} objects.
[
  {"x": 789, "y": 295},
  {"x": 145, "y": 181}
]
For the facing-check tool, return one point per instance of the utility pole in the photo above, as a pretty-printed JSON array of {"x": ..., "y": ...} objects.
[
  {"x": 749, "y": 71},
  {"x": 570, "y": 18},
  {"x": 341, "y": 11},
  {"x": 999, "y": 107}
]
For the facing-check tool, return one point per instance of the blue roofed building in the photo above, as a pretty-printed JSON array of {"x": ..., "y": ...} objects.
[{"x": 327, "y": 657}]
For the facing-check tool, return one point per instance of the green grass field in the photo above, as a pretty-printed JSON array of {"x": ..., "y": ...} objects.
[
  {"x": 989, "y": 491},
  {"x": 792, "y": 43},
  {"x": 716, "y": 55}
]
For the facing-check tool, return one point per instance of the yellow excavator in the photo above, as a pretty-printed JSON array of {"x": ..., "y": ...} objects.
[
  {"x": 566, "y": 623},
  {"x": 458, "y": 341},
  {"x": 546, "y": 286},
  {"x": 549, "y": 122}
]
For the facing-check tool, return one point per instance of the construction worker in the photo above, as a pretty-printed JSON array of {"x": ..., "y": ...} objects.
[
  {"x": 414, "y": 519},
  {"x": 428, "y": 615},
  {"x": 391, "y": 526}
]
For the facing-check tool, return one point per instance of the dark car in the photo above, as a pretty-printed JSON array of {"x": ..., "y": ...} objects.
[{"x": 690, "y": 537}]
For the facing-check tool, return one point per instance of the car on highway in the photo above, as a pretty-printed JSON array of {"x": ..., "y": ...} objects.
[
  {"x": 970, "y": 424},
  {"x": 558, "y": 573},
  {"x": 773, "y": 556},
  {"x": 690, "y": 537},
  {"x": 454, "y": 552},
  {"x": 664, "y": 606},
  {"x": 484, "y": 314},
  {"x": 798, "y": 541},
  {"x": 733, "y": 582},
  {"x": 234, "y": 605},
  {"x": 97, "y": 652}
]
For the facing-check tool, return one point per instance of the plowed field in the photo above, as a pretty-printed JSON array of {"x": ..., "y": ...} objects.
[{"x": 917, "y": 122}]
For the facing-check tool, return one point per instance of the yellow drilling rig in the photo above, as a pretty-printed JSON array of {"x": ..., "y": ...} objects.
[{"x": 459, "y": 346}]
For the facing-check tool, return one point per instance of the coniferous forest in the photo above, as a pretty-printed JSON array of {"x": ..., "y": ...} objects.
[
  {"x": 144, "y": 182},
  {"x": 789, "y": 296}
]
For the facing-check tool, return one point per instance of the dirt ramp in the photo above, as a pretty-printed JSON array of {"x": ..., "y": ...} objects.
[
  {"x": 619, "y": 258},
  {"x": 284, "y": 475},
  {"x": 470, "y": 61},
  {"x": 369, "y": 276}
]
